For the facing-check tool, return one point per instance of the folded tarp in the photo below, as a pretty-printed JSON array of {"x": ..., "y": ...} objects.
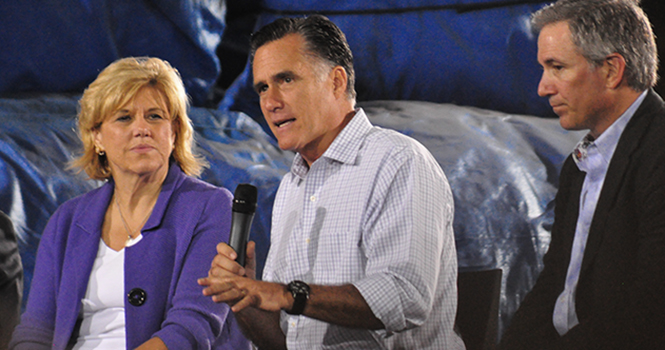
[{"x": 61, "y": 45}]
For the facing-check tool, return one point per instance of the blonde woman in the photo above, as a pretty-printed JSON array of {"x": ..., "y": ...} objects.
[{"x": 117, "y": 267}]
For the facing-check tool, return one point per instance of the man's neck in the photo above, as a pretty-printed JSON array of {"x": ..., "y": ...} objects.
[
  {"x": 621, "y": 100},
  {"x": 311, "y": 157}
]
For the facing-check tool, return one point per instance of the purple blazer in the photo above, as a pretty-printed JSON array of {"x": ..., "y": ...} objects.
[{"x": 189, "y": 218}]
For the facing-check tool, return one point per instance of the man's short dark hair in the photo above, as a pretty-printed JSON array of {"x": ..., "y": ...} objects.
[{"x": 324, "y": 40}]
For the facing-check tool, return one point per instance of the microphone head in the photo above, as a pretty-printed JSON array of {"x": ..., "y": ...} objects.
[{"x": 244, "y": 199}]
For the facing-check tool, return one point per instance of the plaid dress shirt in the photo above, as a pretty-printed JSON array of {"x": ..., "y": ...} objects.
[{"x": 374, "y": 210}]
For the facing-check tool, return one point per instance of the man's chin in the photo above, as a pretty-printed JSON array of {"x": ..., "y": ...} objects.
[
  {"x": 571, "y": 126},
  {"x": 285, "y": 145},
  {"x": 560, "y": 110},
  {"x": 565, "y": 123}
]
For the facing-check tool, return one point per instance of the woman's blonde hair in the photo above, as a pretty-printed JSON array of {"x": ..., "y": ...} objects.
[{"x": 116, "y": 86}]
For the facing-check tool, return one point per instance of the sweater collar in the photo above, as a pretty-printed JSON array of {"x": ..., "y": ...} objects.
[{"x": 96, "y": 202}]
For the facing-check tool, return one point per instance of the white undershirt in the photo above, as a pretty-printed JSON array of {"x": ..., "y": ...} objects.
[{"x": 103, "y": 306}]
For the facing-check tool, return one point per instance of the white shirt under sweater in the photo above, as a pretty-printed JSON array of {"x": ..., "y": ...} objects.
[
  {"x": 374, "y": 210},
  {"x": 103, "y": 306}
]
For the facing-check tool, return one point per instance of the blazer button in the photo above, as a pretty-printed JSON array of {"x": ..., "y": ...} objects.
[{"x": 137, "y": 296}]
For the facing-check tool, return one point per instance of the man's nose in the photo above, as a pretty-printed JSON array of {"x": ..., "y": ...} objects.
[
  {"x": 272, "y": 100},
  {"x": 545, "y": 86}
]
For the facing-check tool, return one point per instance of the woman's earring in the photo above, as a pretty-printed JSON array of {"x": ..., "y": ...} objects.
[{"x": 99, "y": 152}]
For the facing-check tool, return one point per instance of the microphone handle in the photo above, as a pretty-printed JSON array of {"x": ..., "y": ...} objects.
[{"x": 239, "y": 235}]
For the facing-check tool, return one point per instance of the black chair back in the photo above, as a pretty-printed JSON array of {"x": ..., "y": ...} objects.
[{"x": 477, "y": 318}]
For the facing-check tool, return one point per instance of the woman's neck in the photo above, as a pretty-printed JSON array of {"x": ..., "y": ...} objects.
[{"x": 134, "y": 198}]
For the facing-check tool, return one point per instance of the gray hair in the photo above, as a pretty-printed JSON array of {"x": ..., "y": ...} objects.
[{"x": 600, "y": 28}]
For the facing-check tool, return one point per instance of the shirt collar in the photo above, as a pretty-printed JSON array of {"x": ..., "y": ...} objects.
[
  {"x": 344, "y": 148},
  {"x": 607, "y": 142}
]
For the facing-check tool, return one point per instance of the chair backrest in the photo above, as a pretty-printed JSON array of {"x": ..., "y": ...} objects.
[{"x": 477, "y": 317}]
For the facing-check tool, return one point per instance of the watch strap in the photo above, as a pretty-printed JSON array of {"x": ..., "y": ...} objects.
[{"x": 300, "y": 292}]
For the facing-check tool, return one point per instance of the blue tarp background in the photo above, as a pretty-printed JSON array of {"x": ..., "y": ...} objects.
[{"x": 61, "y": 45}]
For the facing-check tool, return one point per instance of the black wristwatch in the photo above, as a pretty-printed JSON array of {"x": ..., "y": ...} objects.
[{"x": 300, "y": 292}]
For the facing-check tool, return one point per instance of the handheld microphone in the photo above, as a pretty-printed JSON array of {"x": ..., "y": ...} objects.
[{"x": 244, "y": 206}]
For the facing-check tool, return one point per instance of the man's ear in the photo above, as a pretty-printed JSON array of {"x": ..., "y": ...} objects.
[
  {"x": 616, "y": 67},
  {"x": 340, "y": 80}
]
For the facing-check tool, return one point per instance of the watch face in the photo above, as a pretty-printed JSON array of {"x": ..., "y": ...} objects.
[{"x": 299, "y": 288}]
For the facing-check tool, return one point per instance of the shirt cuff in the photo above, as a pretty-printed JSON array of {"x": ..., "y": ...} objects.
[{"x": 385, "y": 301}]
